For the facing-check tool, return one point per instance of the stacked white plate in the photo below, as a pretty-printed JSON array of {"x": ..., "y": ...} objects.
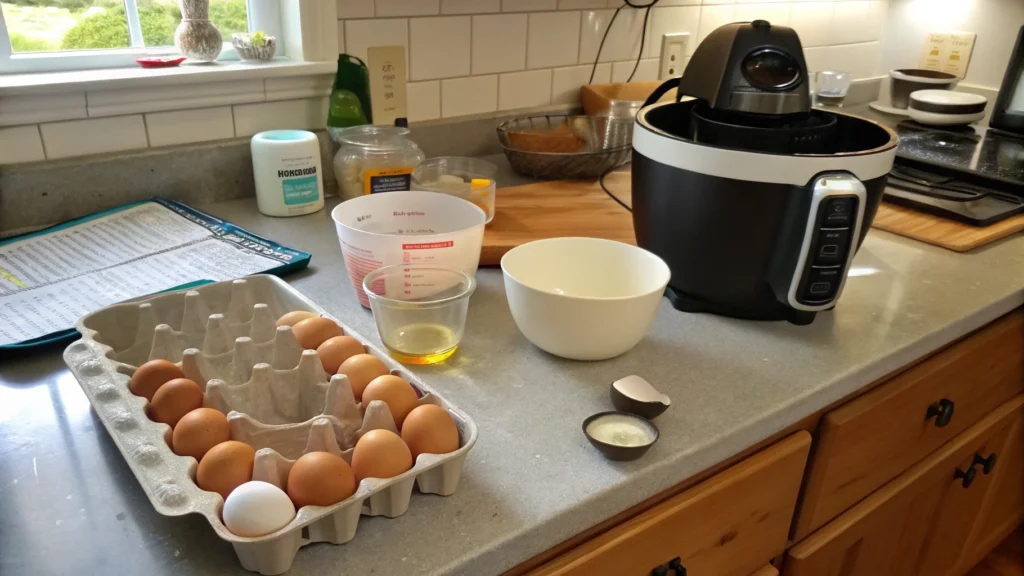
[{"x": 945, "y": 107}]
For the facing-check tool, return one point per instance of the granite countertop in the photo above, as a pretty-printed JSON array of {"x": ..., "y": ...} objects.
[{"x": 71, "y": 504}]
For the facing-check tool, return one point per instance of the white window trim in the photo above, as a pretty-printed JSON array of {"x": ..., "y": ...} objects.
[
  {"x": 262, "y": 15},
  {"x": 311, "y": 43}
]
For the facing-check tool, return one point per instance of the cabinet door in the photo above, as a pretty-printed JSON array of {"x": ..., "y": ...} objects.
[
  {"x": 1003, "y": 509},
  {"x": 729, "y": 525},
  {"x": 959, "y": 508},
  {"x": 868, "y": 441},
  {"x": 924, "y": 512}
]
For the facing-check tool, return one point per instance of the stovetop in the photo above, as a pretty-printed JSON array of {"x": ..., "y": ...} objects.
[{"x": 980, "y": 153}]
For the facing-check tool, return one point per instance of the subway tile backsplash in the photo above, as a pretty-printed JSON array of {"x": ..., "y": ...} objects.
[
  {"x": 499, "y": 43},
  {"x": 464, "y": 57},
  {"x": 185, "y": 126},
  {"x": 96, "y": 135},
  {"x": 439, "y": 47},
  {"x": 496, "y": 55}
]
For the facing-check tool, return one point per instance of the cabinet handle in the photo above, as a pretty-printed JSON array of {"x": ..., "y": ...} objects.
[
  {"x": 674, "y": 565},
  {"x": 967, "y": 477},
  {"x": 942, "y": 411},
  {"x": 987, "y": 464}
]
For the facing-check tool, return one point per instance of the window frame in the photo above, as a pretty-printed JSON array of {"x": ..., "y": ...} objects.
[{"x": 261, "y": 15}]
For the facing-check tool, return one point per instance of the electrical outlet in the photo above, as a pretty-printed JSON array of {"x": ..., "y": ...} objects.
[{"x": 673, "y": 53}]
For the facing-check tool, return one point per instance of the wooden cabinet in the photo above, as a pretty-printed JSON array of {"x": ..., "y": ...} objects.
[
  {"x": 926, "y": 521},
  {"x": 868, "y": 441},
  {"x": 1003, "y": 508},
  {"x": 729, "y": 525},
  {"x": 884, "y": 493}
]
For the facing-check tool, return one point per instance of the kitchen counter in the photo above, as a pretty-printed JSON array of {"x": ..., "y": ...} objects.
[{"x": 69, "y": 503}]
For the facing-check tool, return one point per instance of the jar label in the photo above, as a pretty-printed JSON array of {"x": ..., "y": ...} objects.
[
  {"x": 300, "y": 190},
  {"x": 387, "y": 180}
]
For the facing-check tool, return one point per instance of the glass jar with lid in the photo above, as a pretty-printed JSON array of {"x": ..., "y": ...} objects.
[{"x": 374, "y": 159}]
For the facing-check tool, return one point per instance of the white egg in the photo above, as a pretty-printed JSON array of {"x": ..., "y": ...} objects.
[{"x": 257, "y": 509}]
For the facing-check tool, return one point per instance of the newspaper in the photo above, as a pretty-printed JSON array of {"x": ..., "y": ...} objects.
[{"x": 50, "y": 279}]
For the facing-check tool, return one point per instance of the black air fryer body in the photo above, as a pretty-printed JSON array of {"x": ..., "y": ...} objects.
[{"x": 756, "y": 202}]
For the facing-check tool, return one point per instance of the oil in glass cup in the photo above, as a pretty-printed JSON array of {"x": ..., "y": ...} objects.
[{"x": 420, "y": 310}]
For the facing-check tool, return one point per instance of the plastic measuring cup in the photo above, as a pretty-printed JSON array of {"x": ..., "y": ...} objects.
[
  {"x": 420, "y": 311},
  {"x": 425, "y": 228}
]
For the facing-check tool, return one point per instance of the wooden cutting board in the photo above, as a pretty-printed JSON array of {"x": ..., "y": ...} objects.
[
  {"x": 553, "y": 209},
  {"x": 948, "y": 234},
  {"x": 582, "y": 208}
]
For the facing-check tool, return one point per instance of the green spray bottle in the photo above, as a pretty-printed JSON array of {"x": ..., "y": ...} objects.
[{"x": 350, "y": 96}]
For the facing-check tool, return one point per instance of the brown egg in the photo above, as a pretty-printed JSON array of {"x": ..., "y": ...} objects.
[
  {"x": 336, "y": 350},
  {"x": 380, "y": 454},
  {"x": 152, "y": 375},
  {"x": 361, "y": 369},
  {"x": 225, "y": 467},
  {"x": 313, "y": 332},
  {"x": 395, "y": 392},
  {"x": 293, "y": 318},
  {"x": 198, "y": 431},
  {"x": 175, "y": 399},
  {"x": 429, "y": 429},
  {"x": 320, "y": 479}
]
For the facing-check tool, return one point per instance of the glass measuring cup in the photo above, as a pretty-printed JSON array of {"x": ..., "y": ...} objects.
[{"x": 420, "y": 310}]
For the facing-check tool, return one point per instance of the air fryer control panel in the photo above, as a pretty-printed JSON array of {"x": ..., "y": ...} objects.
[
  {"x": 829, "y": 250},
  {"x": 833, "y": 226}
]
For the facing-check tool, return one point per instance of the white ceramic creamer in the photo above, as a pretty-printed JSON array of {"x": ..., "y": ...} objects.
[{"x": 288, "y": 173}]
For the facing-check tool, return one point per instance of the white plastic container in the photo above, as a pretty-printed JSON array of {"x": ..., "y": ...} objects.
[
  {"x": 288, "y": 173},
  {"x": 425, "y": 228}
]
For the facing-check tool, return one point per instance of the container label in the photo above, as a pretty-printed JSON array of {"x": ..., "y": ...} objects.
[
  {"x": 428, "y": 245},
  {"x": 387, "y": 180},
  {"x": 300, "y": 190}
]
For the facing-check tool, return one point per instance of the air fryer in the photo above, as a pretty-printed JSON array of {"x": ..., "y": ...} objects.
[{"x": 755, "y": 200}]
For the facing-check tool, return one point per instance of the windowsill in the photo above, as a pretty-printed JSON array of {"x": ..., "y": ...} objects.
[{"x": 138, "y": 77}]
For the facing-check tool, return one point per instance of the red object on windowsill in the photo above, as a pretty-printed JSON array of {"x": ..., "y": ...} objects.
[{"x": 156, "y": 62}]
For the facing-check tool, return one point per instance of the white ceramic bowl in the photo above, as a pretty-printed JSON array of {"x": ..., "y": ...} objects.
[
  {"x": 945, "y": 107},
  {"x": 583, "y": 298}
]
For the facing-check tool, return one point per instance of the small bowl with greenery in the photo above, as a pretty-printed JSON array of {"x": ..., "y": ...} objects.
[{"x": 256, "y": 46}]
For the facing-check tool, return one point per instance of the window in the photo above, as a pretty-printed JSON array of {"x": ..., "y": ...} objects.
[{"x": 55, "y": 35}]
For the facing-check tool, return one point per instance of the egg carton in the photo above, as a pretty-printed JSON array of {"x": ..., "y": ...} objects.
[{"x": 277, "y": 397}]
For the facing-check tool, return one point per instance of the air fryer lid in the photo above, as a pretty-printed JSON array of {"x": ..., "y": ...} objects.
[{"x": 749, "y": 67}]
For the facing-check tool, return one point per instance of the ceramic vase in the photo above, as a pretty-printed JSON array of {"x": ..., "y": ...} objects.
[{"x": 197, "y": 37}]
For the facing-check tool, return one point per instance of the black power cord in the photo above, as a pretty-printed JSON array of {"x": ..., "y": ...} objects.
[
  {"x": 643, "y": 36},
  {"x": 607, "y": 191},
  {"x": 597, "y": 60}
]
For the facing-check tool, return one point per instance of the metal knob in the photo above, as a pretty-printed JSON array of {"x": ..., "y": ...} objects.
[
  {"x": 675, "y": 566},
  {"x": 966, "y": 477},
  {"x": 942, "y": 411},
  {"x": 987, "y": 464}
]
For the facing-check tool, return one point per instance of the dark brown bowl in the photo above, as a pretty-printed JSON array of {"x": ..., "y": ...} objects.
[
  {"x": 620, "y": 452},
  {"x": 906, "y": 80}
]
